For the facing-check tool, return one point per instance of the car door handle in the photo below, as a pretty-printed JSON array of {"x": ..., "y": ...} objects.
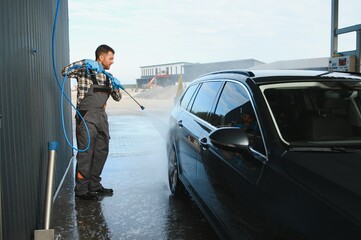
[
  {"x": 204, "y": 143},
  {"x": 180, "y": 123}
]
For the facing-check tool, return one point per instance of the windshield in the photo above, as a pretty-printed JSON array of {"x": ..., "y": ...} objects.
[{"x": 316, "y": 112}]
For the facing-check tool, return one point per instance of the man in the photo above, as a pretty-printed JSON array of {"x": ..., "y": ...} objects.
[{"x": 94, "y": 88}]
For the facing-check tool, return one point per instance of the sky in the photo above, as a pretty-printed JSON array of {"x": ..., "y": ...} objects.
[{"x": 151, "y": 32}]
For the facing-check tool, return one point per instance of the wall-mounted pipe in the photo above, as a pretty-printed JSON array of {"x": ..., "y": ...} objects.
[
  {"x": 47, "y": 233},
  {"x": 52, "y": 148}
]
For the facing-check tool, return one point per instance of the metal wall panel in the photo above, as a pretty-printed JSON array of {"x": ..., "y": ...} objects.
[{"x": 29, "y": 106}]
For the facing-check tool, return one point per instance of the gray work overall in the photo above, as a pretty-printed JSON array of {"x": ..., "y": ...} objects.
[{"x": 90, "y": 163}]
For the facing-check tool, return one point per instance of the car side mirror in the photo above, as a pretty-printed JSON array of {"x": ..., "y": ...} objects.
[{"x": 230, "y": 139}]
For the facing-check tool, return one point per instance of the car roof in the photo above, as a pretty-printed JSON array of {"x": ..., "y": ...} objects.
[{"x": 268, "y": 76}]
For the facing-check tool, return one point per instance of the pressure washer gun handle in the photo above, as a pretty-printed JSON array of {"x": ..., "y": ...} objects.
[{"x": 115, "y": 82}]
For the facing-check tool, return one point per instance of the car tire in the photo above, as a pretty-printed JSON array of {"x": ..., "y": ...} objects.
[{"x": 175, "y": 185}]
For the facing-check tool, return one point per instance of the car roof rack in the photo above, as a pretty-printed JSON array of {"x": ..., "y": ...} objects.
[
  {"x": 336, "y": 72},
  {"x": 243, "y": 72}
]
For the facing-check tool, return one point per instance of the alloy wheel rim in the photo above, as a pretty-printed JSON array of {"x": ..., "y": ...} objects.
[{"x": 173, "y": 173}]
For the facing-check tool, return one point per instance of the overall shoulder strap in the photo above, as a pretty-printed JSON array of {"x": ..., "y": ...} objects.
[
  {"x": 107, "y": 82},
  {"x": 93, "y": 78}
]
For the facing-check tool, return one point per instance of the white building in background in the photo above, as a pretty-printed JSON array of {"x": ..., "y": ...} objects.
[
  {"x": 163, "y": 69},
  {"x": 168, "y": 74},
  {"x": 161, "y": 74}
]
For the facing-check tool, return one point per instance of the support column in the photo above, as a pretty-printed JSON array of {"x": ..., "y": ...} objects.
[
  {"x": 334, "y": 27},
  {"x": 358, "y": 51}
]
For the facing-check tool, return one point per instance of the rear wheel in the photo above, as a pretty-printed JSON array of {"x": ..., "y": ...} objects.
[{"x": 175, "y": 185}]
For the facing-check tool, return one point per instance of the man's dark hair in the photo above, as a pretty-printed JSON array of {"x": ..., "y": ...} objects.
[{"x": 103, "y": 49}]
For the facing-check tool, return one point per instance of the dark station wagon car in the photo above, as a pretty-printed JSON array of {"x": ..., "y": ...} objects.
[{"x": 271, "y": 154}]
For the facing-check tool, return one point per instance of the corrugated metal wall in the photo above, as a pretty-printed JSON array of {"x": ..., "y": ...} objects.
[{"x": 29, "y": 105}]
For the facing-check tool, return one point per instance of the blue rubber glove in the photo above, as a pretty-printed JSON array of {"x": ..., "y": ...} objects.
[
  {"x": 93, "y": 65},
  {"x": 116, "y": 84}
]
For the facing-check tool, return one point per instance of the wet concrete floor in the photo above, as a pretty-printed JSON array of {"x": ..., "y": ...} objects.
[{"x": 141, "y": 206}]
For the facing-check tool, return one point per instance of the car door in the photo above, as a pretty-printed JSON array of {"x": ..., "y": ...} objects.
[
  {"x": 229, "y": 179},
  {"x": 190, "y": 126}
]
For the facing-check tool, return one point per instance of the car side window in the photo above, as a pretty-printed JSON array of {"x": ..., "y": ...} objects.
[
  {"x": 188, "y": 96},
  {"x": 205, "y": 98},
  {"x": 234, "y": 109}
]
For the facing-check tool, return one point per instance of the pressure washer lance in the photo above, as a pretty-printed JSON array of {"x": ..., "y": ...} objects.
[
  {"x": 141, "y": 107},
  {"x": 116, "y": 85}
]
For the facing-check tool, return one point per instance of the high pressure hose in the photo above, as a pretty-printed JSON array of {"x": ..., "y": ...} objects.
[{"x": 63, "y": 94}]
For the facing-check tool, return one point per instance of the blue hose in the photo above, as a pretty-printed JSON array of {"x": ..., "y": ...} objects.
[{"x": 63, "y": 94}]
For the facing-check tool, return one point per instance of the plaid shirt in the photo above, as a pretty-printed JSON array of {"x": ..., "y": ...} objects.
[{"x": 85, "y": 81}]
